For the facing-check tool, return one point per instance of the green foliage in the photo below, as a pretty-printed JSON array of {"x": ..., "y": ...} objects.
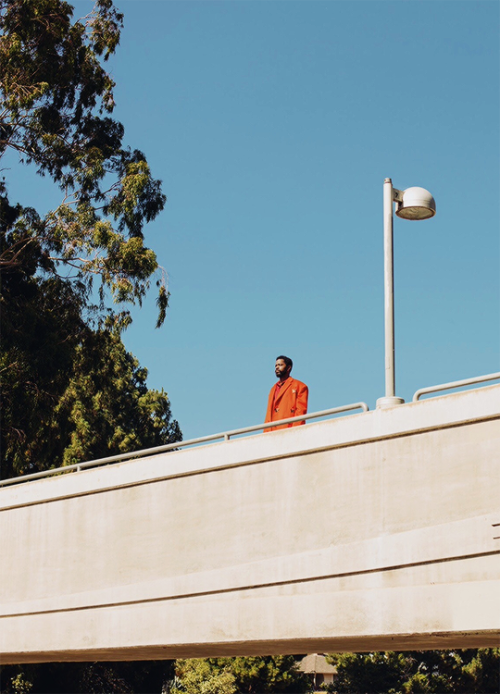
[
  {"x": 251, "y": 675},
  {"x": 203, "y": 676},
  {"x": 73, "y": 404},
  {"x": 370, "y": 672},
  {"x": 55, "y": 102},
  {"x": 107, "y": 407},
  {"x": 42, "y": 326},
  {"x": 145, "y": 677},
  {"x": 70, "y": 390},
  {"x": 418, "y": 672}
]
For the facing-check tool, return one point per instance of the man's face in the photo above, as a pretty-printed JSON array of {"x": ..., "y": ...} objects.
[{"x": 281, "y": 369}]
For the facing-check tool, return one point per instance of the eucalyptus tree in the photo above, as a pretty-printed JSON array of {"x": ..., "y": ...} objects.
[
  {"x": 68, "y": 272},
  {"x": 470, "y": 671}
]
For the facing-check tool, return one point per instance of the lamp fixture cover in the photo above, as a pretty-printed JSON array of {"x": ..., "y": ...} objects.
[{"x": 417, "y": 203}]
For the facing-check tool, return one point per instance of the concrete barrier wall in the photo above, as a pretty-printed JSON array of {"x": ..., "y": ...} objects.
[{"x": 369, "y": 532}]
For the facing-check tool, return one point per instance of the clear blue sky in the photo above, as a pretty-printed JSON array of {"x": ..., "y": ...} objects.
[{"x": 273, "y": 126}]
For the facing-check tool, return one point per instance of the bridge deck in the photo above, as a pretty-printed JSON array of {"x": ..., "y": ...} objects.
[{"x": 375, "y": 531}]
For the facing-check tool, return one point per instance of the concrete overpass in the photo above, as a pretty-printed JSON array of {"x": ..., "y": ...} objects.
[{"x": 372, "y": 531}]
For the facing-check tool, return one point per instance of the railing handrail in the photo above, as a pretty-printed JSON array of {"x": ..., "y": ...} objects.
[
  {"x": 455, "y": 384},
  {"x": 225, "y": 436}
]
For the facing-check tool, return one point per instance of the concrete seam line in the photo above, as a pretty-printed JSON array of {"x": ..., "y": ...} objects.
[{"x": 312, "y": 579}]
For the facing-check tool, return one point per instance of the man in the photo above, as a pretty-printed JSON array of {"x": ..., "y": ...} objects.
[{"x": 288, "y": 398}]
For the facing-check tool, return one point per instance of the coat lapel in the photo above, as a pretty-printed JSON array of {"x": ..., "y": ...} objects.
[{"x": 283, "y": 389}]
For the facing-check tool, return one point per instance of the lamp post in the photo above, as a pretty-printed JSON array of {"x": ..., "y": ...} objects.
[{"x": 412, "y": 203}]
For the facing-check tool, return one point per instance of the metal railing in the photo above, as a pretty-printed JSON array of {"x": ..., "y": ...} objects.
[
  {"x": 224, "y": 436},
  {"x": 455, "y": 384}
]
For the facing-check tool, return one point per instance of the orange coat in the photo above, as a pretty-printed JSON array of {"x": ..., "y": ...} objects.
[{"x": 291, "y": 402}]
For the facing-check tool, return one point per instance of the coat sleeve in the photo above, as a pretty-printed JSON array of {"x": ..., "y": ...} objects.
[
  {"x": 300, "y": 403},
  {"x": 302, "y": 396},
  {"x": 269, "y": 407}
]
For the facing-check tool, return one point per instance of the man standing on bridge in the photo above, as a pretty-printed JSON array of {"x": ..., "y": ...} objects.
[{"x": 288, "y": 398}]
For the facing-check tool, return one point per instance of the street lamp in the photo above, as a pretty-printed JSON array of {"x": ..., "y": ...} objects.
[{"x": 412, "y": 203}]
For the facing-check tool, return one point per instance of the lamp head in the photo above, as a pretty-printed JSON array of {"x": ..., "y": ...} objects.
[{"x": 416, "y": 203}]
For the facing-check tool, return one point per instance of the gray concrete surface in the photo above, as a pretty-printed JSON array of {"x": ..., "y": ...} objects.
[{"x": 373, "y": 531}]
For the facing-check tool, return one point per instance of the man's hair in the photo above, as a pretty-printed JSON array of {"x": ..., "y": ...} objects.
[{"x": 287, "y": 361}]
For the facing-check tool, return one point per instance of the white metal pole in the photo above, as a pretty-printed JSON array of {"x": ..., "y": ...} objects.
[
  {"x": 390, "y": 399},
  {"x": 389, "y": 290}
]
